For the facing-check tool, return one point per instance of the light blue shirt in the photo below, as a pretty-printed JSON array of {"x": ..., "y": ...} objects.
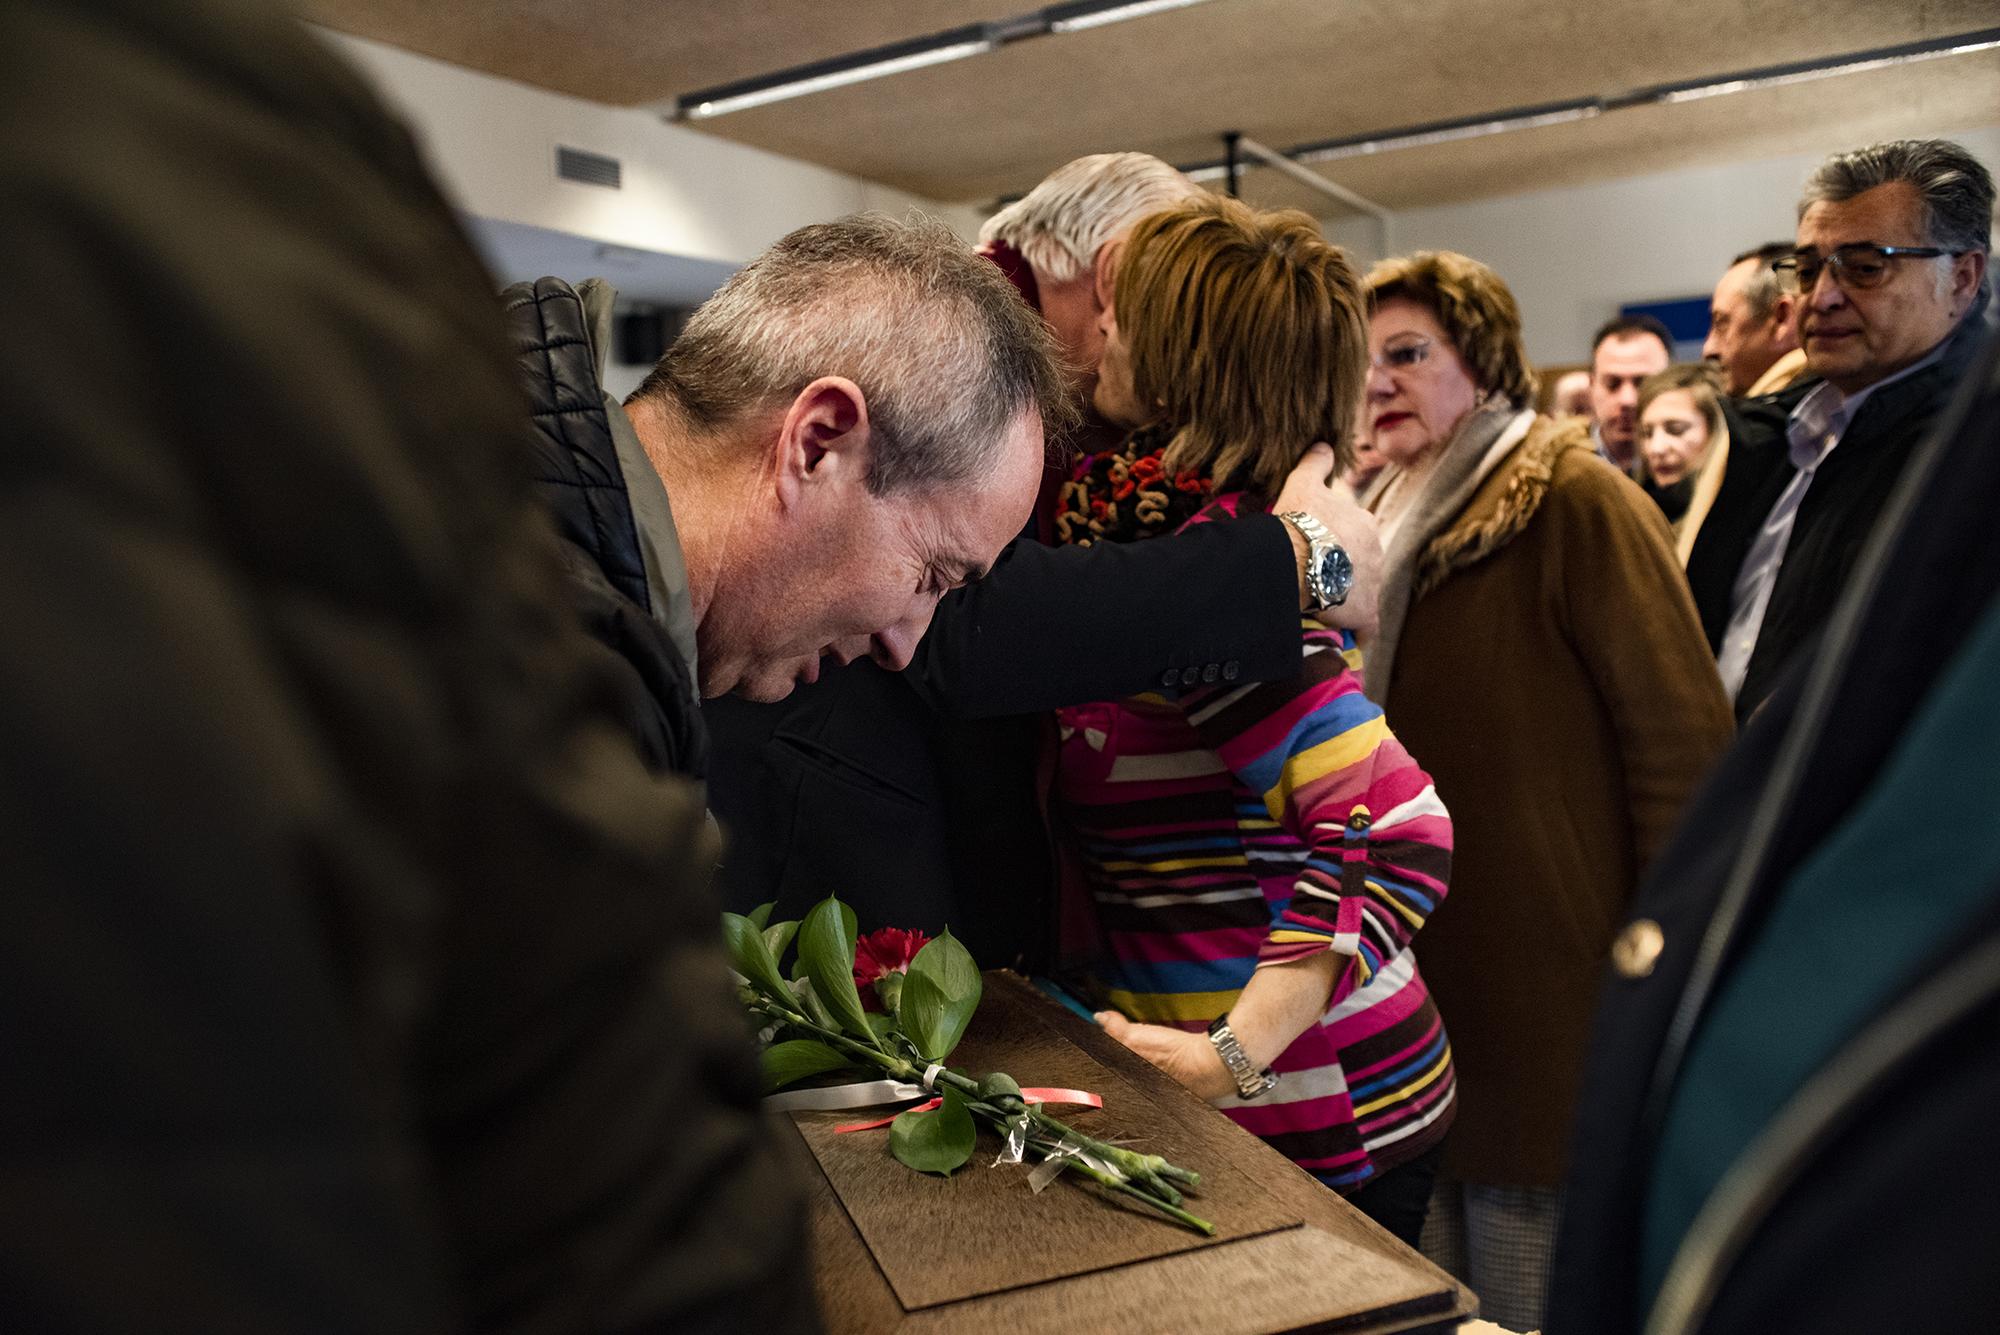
[
  {"x": 1816, "y": 425},
  {"x": 1633, "y": 470}
]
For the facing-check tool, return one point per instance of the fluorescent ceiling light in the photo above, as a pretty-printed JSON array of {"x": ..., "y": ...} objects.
[
  {"x": 1781, "y": 75},
  {"x": 810, "y": 79},
  {"x": 1422, "y": 136},
  {"x": 958, "y": 43},
  {"x": 1076, "y": 18},
  {"x": 1528, "y": 118}
]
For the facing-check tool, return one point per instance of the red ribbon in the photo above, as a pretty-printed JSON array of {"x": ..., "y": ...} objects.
[{"x": 1075, "y": 1098}]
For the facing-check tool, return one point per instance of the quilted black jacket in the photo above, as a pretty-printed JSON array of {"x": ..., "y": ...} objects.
[{"x": 575, "y": 469}]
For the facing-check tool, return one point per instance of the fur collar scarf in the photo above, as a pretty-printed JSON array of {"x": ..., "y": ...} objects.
[{"x": 1461, "y": 519}]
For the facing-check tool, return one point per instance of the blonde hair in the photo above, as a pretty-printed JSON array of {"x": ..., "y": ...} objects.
[
  {"x": 1474, "y": 307},
  {"x": 1703, "y": 383},
  {"x": 1247, "y": 327},
  {"x": 1060, "y": 225}
]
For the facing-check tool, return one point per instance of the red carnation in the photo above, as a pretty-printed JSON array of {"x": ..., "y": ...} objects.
[{"x": 884, "y": 957}]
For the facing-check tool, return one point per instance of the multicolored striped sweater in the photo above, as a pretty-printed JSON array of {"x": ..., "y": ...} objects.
[{"x": 1232, "y": 828}]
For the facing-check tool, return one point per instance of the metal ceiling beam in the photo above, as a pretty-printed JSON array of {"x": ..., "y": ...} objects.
[
  {"x": 1585, "y": 108},
  {"x": 1312, "y": 180},
  {"x": 1243, "y": 146}
]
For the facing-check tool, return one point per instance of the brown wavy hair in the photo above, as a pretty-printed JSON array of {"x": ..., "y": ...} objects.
[
  {"x": 1474, "y": 307},
  {"x": 1248, "y": 326}
]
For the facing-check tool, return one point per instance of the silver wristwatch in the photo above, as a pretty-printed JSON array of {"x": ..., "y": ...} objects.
[
  {"x": 1329, "y": 571},
  {"x": 1251, "y": 1083}
]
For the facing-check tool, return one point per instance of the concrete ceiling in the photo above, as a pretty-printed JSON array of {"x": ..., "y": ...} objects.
[{"x": 1282, "y": 71}]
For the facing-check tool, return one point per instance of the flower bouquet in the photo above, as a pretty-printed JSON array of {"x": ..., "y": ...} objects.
[{"x": 814, "y": 1021}]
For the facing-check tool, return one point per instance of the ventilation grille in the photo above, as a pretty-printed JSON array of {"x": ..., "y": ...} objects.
[{"x": 573, "y": 164}]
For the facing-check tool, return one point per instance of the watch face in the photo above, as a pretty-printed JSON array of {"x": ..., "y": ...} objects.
[{"x": 1336, "y": 574}]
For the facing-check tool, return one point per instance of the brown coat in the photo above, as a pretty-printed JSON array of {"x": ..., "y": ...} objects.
[{"x": 1553, "y": 678}]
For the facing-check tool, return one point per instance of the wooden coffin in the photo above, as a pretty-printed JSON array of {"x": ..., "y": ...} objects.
[{"x": 906, "y": 1252}]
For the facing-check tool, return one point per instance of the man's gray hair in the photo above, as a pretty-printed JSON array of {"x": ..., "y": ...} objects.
[
  {"x": 1060, "y": 225},
  {"x": 945, "y": 352},
  {"x": 1957, "y": 191}
]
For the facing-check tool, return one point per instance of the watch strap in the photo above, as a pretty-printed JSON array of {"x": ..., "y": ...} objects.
[
  {"x": 1251, "y": 1083},
  {"x": 1319, "y": 543}
]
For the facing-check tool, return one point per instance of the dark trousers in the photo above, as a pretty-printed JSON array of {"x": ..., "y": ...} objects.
[{"x": 1399, "y": 1199}]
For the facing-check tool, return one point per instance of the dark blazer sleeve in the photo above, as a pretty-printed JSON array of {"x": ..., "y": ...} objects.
[{"x": 1052, "y": 626}]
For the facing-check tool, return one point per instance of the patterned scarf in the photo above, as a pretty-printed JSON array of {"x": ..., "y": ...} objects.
[{"x": 1125, "y": 494}]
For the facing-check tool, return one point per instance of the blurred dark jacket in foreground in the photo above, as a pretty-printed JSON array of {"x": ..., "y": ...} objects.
[
  {"x": 1809, "y": 994},
  {"x": 356, "y": 975}
]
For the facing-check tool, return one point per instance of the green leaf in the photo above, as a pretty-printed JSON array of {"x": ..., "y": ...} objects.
[
  {"x": 778, "y": 936},
  {"x": 934, "y": 1141},
  {"x": 826, "y": 949},
  {"x": 884, "y": 1026},
  {"x": 761, "y": 915},
  {"x": 797, "y": 1059},
  {"x": 751, "y": 957},
  {"x": 816, "y": 1008},
  {"x": 999, "y": 1085},
  {"x": 939, "y": 996}
]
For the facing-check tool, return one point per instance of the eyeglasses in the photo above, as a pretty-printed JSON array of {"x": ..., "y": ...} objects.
[
  {"x": 1403, "y": 352},
  {"x": 1857, "y": 267}
]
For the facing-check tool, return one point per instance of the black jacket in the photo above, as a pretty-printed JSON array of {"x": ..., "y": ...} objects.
[
  {"x": 1834, "y": 518},
  {"x": 1880, "y": 1218},
  {"x": 355, "y": 974},
  {"x": 914, "y": 794},
  {"x": 577, "y": 474}
]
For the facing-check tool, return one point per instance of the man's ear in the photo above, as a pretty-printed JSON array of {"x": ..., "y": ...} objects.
[
  {"x": 1104, "y": 272},
  {"x": 1782, "y": 312},
  {"x": 823, "y": 437},
  {"x": 1967, "y": 272}
]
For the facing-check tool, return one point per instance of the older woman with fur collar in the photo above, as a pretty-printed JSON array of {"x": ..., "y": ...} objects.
[{"x": 1539, "y": 649}]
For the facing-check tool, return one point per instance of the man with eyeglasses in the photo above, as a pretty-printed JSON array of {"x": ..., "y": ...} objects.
[{"x": 1888, "y": 278}]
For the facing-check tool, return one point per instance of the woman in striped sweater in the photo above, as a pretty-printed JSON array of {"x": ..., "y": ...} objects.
[{"x": 1260, "y": 856}]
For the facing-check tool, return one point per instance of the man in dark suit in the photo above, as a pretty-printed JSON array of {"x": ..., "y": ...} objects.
[
  {"x": 1787, "y": 1114},
  {"x": 914, "y": 795},
  {"x": 1890, "y": 273}
]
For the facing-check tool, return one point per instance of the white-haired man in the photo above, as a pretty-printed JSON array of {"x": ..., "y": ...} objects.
[
  {"x": 1058, "y": 244},
  {"x": 918, "y": 794}
]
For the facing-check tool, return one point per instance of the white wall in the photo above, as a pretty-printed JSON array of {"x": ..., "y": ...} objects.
[
  {"x": 492, "y": 144},
  {"x": 1574, "y": 255}
]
